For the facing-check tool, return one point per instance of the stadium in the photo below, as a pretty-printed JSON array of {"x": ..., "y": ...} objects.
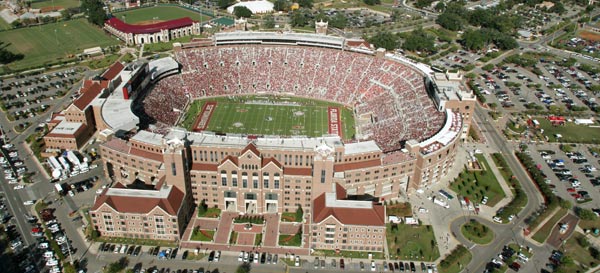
[{"x": 254, "y": 123}]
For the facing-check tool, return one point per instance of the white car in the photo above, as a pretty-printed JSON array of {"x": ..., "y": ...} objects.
[
  {"x": 373, "y": 266},
  {"x": 297, "y": 261},
  {"x": 18, "y": 187},
  {"x": 13, "y": 181},
  {"x": 497, "y": 219},
  {"x": 256, "y": 257},
  {"x": 55, "y": 269},
  {"x": 48, "y": 254},
  {"x": 28, "y": 202},
  {"x": 19, "y": 163},
  {"x": 71, "y": 193},
  {"x": 43, "y": 246},
  {"x": 52, "y": 262},
  {"x": 241, "y": 256}
]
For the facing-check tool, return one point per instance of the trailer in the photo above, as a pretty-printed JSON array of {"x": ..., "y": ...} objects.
[
  {"x": 54, "y": 165},
  {"x": 58, "y": 188},
  {"x": 440, "y": 202},
  {"x": 64, "y": 163}
]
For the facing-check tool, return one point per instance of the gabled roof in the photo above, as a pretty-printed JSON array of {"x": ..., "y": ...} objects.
[
  {"x": 90, "y": 94},
  {"x": 112, "y": 72},
  {"x": 138, "y": 202},
  {"x": 266, "y": 161},
  {"x": 252, "y": 148},
  {"x": 373, "y": 215},
  {"x": 230, "y": 158}
]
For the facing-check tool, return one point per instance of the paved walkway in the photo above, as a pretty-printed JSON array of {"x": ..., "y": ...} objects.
[
  {"x": 224, "y": 229},
  {"x": 271, "y": 231}
]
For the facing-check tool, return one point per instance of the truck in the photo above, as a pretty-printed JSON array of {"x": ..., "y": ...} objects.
[
  {"x": 58, "y": 188},
  {"x": 440, "y": 202}
]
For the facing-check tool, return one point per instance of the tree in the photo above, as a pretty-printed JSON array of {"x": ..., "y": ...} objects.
[
  {"x": 117, "y": 266},
  {"x": 418, "y": 40},
  {"x": 440, "y": 6},
  {"x": 339, "y": 20},
  {"x": 372, "y": 2},
  {"x": 585, "y": 214},
  {"x": 450, "y": 21},
  {"x": 269, "y": 22},
  {"x": 385, "y": 40},
  {"x": 223, "y": 4},
  {"x": 243, "y": 268},
  {"x": 241, "y": 11},
  {"x": 300, "y": 17},
  {"x": 305, "y": 3},
  {"x": 281, "y": 5},
  {"x": 299, "y": 214},
  {"x": 474, "y": 40},
  {"x": 94, "y": 11}
]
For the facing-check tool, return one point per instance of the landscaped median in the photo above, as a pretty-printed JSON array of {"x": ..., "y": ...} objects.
[
  {"x": 541, "y": 234},
  {"x": 477, "y": 232},
  {"x": 519, "y": 200},
  {"x": 456, "y": 261},
  {"x": 291, "y": 239},
  {"x": 477, "y": 184},
  {"x": 202, "y": 235}
]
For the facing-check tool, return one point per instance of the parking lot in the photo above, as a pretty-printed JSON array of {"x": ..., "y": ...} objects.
[{"x": 573, "y": 176}]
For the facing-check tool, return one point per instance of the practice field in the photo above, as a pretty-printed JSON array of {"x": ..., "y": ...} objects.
[
  {"x": 54, "y": 42},
  {"x": 570, "y": 132},
  {"x": 55, "y": 3},
  {"x": 156, "y": 14},
  {"x": 267, "y": 115}
]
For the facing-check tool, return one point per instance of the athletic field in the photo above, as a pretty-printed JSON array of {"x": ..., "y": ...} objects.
[
  {"x": 55, "y": 3},
  {"x": 156, "y": 14},
  {"x": 268, "y": 115},
  {"x": 54, "y": 42}
]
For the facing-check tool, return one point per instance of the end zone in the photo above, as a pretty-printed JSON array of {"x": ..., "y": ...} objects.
[
  {"x": 335, "y": 123},
  {"x": 204, "y": 117}
]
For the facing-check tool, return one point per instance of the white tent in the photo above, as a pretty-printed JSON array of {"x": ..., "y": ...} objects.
[
  {"x": 254, "y": 6},
  {"x": 584, "y": 121}
]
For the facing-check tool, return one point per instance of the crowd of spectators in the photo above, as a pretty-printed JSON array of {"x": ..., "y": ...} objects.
[{"x": 389, "y": 98}]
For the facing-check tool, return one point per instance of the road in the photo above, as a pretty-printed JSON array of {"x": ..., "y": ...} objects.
[{"x": 504, "y": 233}]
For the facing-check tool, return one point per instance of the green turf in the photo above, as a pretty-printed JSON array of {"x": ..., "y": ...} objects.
[
  {"x": 581, "y": 255},
  {"x": 412, "y": 242},
  {"x": 486, "y": 184},
  {"x": 570, "y": 132},
  {"x": 456, "y": 261},
  {"x": 55, "y": 3},
  {"x": 52, "y": 43},
  {"x": 158, "y": 13},
  {"x": 236, "y": 116},
  {"x": 4, "y": 25}
]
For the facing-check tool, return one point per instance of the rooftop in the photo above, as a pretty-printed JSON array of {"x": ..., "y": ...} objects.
[
  {"x": 150, "y": 28},
  {"x": 362, "y": 147},
  {"x": 148, "y": 137},
  {"x": 66, "y": 128}
]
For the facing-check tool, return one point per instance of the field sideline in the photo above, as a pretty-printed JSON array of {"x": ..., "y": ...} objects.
[
  {"x": 308, "y": 118},
  {"x": 54, "y": 42},
  {"x": 162, "y": 13}
]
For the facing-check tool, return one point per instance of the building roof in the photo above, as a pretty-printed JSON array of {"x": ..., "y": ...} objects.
[
  {"x": 168, "y": 198},
  {"x": 88, "y": 95},
  {"x": 231, "y": 158},
  {"x": 145, "y": 154},
  {"x": 113, "y": 71},
  {"x": 150, "y": 28},
  {"x": 65, "y": 129},
  {"x": 204, "y": 167},
  {"x": 266, "y": 161},
  {"x": 250, "y": 147},
  {"x": 357, "y": 165},
  {"x": 347, "y": 212}
]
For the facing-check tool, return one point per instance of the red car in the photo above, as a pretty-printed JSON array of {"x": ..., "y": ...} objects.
[
  {"x": 342, "y": 265},
  {"x": 571, "y": 190}
]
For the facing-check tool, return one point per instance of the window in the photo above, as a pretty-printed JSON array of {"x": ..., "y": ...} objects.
[
  {"x": 173, "y": 169},
  {"x": 234, "y": 182},
  {"x": 322, "y": 176},
  {"x": 266, "y": 183},
  {"x": 255, "y": 182},
  {"x": 224, "y": 180},
  {"x": 276, "y": 183},
  {"x": 244, "y": 182}
]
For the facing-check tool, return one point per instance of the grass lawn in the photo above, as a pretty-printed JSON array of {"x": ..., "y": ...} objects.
[
  {"x": 55, "y": 3},
  {"x": 458, "y": 259},
  {"x": 589, "y": 224},
  {"x": 477, "y": 232},
  {"x": 580, "y": 255},
  {"x": 53, "y": 43},
  {"x": 412, "y": 242},
  {"x": 203, "y": 235},
  {"x": 134, "y": 241},
  {"x": 290, "y": 217},
  {"x": 486, "y": 184},
  {"x": 306, "y": 117},
  {"x": 290, "y": 240},
  {"x": 399, "y": 209},
  {"x": 348, "y": 254},
  {"x": 233, "y": 237},
  {"x": 4, "y": 24},
  {"x": 257, "y": 239},
  {"x": 162, "y": 13},
  {"x": 519, "y": 197},
  {"x": 543, "y": 233},
  {"x": 570, "y": 132},
  {"x": 210, "y": 213},
  {"x": 150, "y": 49}
]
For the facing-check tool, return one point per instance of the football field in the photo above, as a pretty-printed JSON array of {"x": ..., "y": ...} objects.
[
  {"x": 266, "y": 115},
  {"x": 157, "y": 14},
  {"x": 55, "y": 42}
]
